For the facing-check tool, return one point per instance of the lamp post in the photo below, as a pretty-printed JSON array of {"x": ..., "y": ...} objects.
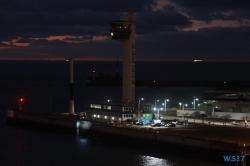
[
  {"x": 163, "y": 104},
  {"x": 139, "y": 108},
  {"x": 180, "y": 105},
  {"x": 166, "y": 100},
  {"x": 155, "y": 110},
  {"x": 159, "y": 114},
  {"x": 194, "y": 101},
  {"x": 183, "y": 110},
  {"x": 156, "y": 106},
  {"x": 155, "y": 102}
]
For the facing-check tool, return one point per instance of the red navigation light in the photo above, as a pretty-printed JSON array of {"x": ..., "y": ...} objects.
[
  {"x": 93, "y": 71},
  {"x": 21, "y": 99}
]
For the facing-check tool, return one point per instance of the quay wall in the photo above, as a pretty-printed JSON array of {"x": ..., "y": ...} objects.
[
  {"x": 183, "y": 140},
  {"x": 129, "y": 132},
  {"x": 152, "y": 135},
  {"x": 159, "y": 138},
  {"x": 55, "y": 123},
  {"x": 45, "y": 120}
]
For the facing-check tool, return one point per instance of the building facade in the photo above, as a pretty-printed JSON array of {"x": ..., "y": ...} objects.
[
  {"x": 234, "y": 103},
  {"x": 117, "y": 112}
]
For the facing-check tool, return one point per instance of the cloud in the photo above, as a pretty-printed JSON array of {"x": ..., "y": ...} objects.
[
  {"x": 43, "y": 18},
  {"x": 48, "y": 24},
  {"x": 23, "y": 40},
  {"x": 78, "y": 39},
  {"x": 210, "y": 44},
  {"x": 168, "y": 19},
  {"x": 73, "y": 5},
  {"x": 208, "y": 10},
  {"x": 27, "y": 21}
]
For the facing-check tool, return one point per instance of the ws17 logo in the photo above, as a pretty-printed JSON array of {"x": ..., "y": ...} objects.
[{"x": 234, "y": 158}]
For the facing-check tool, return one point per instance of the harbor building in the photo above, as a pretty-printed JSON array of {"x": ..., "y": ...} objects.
[
  {"x": 234, "y": 103},
  {"x": 117, "y": 112}
]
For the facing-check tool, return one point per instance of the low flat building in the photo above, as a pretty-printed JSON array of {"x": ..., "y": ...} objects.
[
  {"x": 188, "y": 112},
  {"x": 117, "y": 112},
  {"x": 234, "y": 103}
]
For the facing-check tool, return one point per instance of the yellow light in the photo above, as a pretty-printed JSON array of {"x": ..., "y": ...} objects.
[{"x": 112, "y": 34}]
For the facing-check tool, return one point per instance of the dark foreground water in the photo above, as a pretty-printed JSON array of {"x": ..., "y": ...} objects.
[
  {"x": 45, "y": 88},
  {"x": 25, "y": 147}
]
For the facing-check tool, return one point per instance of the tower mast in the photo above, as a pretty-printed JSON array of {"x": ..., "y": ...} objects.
[{"x": 124, "y": 31}]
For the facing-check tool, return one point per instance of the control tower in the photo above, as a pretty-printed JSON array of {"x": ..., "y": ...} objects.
[{"x": 124, "y": 31}]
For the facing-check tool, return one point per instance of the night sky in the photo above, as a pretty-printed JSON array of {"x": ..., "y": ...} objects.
[{"x": 166, "y": 30}]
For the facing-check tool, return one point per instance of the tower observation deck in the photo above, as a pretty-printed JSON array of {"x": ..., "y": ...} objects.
[{"x": 124, "y": 31}]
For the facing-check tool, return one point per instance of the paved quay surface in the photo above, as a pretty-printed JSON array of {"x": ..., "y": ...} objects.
[{"x": 226, "y": 133}]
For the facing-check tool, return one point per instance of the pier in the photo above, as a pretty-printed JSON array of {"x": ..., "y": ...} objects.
[{"x": 61, "y": 122}]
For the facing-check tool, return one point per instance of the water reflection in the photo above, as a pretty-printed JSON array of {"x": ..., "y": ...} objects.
[
  {"x": 152, "y": 161},
  {"x": 82, "y": 141},
  {"x": 21, "y": 147}
]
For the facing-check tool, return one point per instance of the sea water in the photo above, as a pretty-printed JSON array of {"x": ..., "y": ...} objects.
[{"x": 44, "y": 86}]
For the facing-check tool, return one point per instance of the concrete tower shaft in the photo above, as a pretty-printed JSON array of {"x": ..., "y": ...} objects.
[
  {"x": 124, "y": 31},
  {"x": 71, "y": 97}
]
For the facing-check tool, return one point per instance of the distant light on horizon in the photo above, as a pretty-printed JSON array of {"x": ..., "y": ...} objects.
[{"x": 198, "y": 60}]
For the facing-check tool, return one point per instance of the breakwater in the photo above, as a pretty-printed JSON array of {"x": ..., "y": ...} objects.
[{"x": 60, "y": 123}]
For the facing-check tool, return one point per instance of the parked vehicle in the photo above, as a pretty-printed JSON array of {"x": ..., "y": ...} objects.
[
  {"x": 166, "y": 121},
  {"x": 203, "y": 116},
  {"x": 156, "y": 125},
  {"x": 174, "y": 122},
  {"x": 143, "y": 122},
  {"x": 235, "y": 123},
  {"x": 185, "y": 123},
  {"x": 170, "y": 125},
  {"x": 155, "y": 121}
]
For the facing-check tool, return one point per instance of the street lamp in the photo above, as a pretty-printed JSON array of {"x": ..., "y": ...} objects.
[
  {"x": 155, "y": 102},
  {"x": 139, "y": 108},
  {"x": 156, "y": 106},
  {"x": 194, "y": 101},
  {"x": 183, "y": 110},
  {"x": 180, "y": 105},
  {"x": 163, "y": 104},
  {"x": 166, "y": 100},
  {"x": 159, "y": 113},
  {"x": 154, "y": 112}
]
